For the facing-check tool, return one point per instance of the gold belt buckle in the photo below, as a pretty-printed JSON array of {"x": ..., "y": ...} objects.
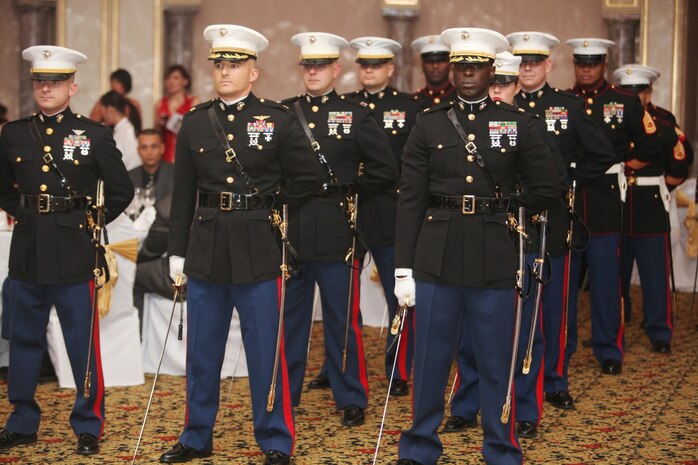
[
  {"x": 226, "y": 203},
  {"x": 44, "y": 205},
  {"x": 468, "y": 204}
]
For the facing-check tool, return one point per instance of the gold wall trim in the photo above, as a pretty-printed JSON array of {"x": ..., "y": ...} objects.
[
  {"x": 157, "y": 50},
  {"x": 60, "y": 23},
  {"x": 115, "y": 19},
  {"x": 644, "y": 32},
  {"x": 677, "y": 49}
]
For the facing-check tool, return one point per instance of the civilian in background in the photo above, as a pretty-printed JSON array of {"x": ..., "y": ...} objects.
[
  {"x": 170, "y": 109},
  {"x": 120, "y": 81},
  {"x": 114, "y": 114}
]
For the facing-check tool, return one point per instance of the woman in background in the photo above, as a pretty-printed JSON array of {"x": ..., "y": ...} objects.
[{"x": 170, "y": 109}]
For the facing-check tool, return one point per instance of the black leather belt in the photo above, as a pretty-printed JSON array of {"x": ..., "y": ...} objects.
[
  {"x": 469, "y": 204},
  {"x": 46, "y": 203},
  {"x": 335, "y": 190},
  {"x": 226, "y": 201}
]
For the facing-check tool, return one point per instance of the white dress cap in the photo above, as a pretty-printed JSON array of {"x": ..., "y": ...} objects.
[
  {"x": 506, "y": 63},
  {"x": 473, "y": 45},
  {"x": 319, "y": 47},
  {"x": 430, "y": 44},
  {"x": 234, "y": 43},
  {"x": 532, "y": 43},
  {"x": 636, "y": 75},
  {"x": 375, "y": 49},
  {"x": 590, "y": 46},
  {"x": 52, "y": 63}
]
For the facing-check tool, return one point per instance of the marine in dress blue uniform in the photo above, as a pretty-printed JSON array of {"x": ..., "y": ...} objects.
[
  {"x": 395, "y": 113},
  {"x": 646, "y": 223},
  {"x": 239, "y": 155},
  {"x": 623, "y": 121},
  {"x": 52, "y": 257},
  {"x": 465, "y": 285},
  {"x": 529, "y": 387},
  {"x": 345, "y": 135},
  {"x": 586, "y": 154},
  {"x": 436, "y": 68}
]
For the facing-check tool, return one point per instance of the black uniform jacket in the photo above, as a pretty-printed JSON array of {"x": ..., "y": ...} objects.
[
  {"x": 580, "y": 141},
  {"x": 624, "y": 122},
  {"x": 427, "y": 97},
  {"x": 644, "y": 211},
  {"x": 237, "y": 246},
  {"x": 472, "y": 250},
  {"x": 395, "y": 113},
  {"x": 55, "y": 248},
  {"x": 348, "y": 136}
]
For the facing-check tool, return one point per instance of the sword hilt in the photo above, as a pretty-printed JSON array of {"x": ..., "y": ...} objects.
[{"x": 395, "y": 327}]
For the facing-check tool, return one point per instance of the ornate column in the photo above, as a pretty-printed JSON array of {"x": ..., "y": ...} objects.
[
  {"x": 624, "y": 31},
  {"x": 37, "y": 27},
  {"x": 179, "y": 20},
  {"x": 401, "y": 16}
]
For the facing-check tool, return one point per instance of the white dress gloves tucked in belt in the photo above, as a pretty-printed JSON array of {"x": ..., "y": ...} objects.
[
  {"x": 404, "y": 287},
  {"x": 177, "y": 268}
]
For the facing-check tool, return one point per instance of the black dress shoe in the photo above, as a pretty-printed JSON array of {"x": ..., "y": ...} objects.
[
  {"x": 353, "y": 415},
  {"x": 456, "y": 424},
  {"x": 8, "y": 439},
  {"x": 560, "y": 399},
  {"x": 662, "y": 347},
  {"x": 88, "y": 444},
  {"x": 274, "y": 457},
  {"x": 526, "y": 429},
  {"x": 319, "y": 382},
  {"x": 399, "y": 388},
  {"x": 611, "y": 367},
  {"x": 181, "y": 453}
]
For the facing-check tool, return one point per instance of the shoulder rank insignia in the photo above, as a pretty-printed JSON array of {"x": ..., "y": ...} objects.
[
  {"x": 553, "y": 114},
  {"x": 260, "y": 127},
  {"x": 648, "y": 123},
  {"x": 76, "y": 141},
  {"x": 611, "y": 110},
  {"x": 337, "y": 118},
  {"x": 679, "y": 151},
  {"x": 499, "y": 129},
  {"x": 394, "y": 117}
]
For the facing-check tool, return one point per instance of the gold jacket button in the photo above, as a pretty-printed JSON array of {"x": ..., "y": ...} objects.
[
  {"x": 311, "y": 125},
  {"x": 229, "y": 180},
  {"x": 469, "y": 179},
  {"x": 437, "y": 100},
  {"x": 339, "y": 136},
  {"x": 201, "y": 150},
  {"x": 315, "y": 108},
  {"x": 588, "y": 111},
  {"x": 76, "y": 162},
  {"x": 230, "y": 137},
  {"x": 80, "y": 226},
  {"x": 471, "y": 117},
  {"x": 231, "y": 118},
  {"x": 18, "y": 159},
  {"x": 471, "y": 137},
  {"x": 613, "y": 126},
  {"x": 504, "y": 150},
  {"x": 439, "y": 146},
  {"x": 394, "y": 132},
  {"x": 531, "y": 104},
  {"x": 259, "y": 147},
  {"x": 557, "y": 133},
  {"x": 45, "y": 168},
  {"x": 47, "y": 148},
  {"x": 590, "y": 100},
  {"x": 471, "y": 158},
  {"x": 372, "y": 106},
  {"x": 43, "y": 187},
  {"x": 49, "y": 131}
]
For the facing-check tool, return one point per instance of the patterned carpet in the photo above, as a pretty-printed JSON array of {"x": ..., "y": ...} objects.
[{"x": 648, "y": 415}]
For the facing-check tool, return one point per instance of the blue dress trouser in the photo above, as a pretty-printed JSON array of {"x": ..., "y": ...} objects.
[
  {"x": 652, "y": 256},
  {"x": 209, "y": 311},
  {"x": 557, "y": 357},
  {"x": 529, "y": 387},
  {"x": 439, "y": 313},
  {"x": 351, "y": 386},
  {"x": 607, "y": 331},
  {"x": 31, "y": 305}
]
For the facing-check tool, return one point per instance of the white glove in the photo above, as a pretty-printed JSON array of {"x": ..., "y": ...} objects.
[
  {"x": 404, "y": 287},
  {"x": 177, "y": 268}
]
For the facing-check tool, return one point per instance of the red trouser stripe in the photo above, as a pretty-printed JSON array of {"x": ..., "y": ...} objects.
[
  {"x": 563, "y": 323},
  {"x": 621, "y": 330},
  {"x": 285, "y": 387},
  {"x": 98, "y": 362},
  {"x": 355, "y": 312}
]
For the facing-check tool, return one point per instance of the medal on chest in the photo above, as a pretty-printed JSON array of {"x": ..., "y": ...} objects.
[
  {"x": 335, "y": 119},
  {"x": 611, "y": 110},
  {"x": 260, "y": 127},
  {"x": 501, "y": 129},
  {"x": 554, "y": 114},
  {"x": 76, "y": 141},
  {"x": 393, "y": 118}
]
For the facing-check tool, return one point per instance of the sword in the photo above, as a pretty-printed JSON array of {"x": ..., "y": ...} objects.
[
  {"x": 352, "y": 213},
  {"x": 282, "y": 224},
  {"x": 178, "y": 289},
  {"x": 566, "y": 308},
  {"x": 403, "y": 317},
  {"x": 95, "y": 221},
  {"x": 521, "y": 230},
  {"x": 538, "y": 275}
]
